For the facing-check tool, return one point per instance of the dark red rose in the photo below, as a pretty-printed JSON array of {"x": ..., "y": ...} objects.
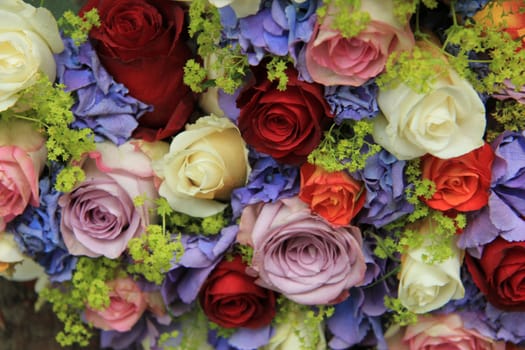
[
  {"x": 231, "y": 299},
  {"x": 287, "y": 125},
  {"x": 462, "y": 183},
  {"x": 141, "y": 44},
  {"x": 500, "y": 273}
]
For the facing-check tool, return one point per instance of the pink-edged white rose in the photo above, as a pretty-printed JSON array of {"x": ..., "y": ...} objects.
[
  {"x": 126, "y": 306},
  {"x": 301, "y": 255},
  {"x": 446, "y": 122},
  {"x": 437, "y": 332},
  {"x": 28, "y": 37},
  {"x": 99, "y": 216},
  {"x": 22, "y": 158},
  {"x": 425, "y": 286},
  {"x": 205, "y": 163},
  {"x": 332, "y": 59}
]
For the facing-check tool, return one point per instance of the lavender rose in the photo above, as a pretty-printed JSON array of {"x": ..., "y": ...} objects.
[
  {"x": 300, "y": 254},
  {"x": 99, "y": 216}
]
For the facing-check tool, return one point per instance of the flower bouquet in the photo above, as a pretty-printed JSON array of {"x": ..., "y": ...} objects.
[{"x": 268, "y": 174}]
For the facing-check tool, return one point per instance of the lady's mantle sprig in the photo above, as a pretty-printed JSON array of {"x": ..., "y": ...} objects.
[
  {"x": 346, "y": 146},
  {"x": 438, "y": 239},
  {"x": 229, "y": 64},
  {"x": 153, "y": 251},
  {"x": 87, "y": 287},
  {"x": 48, "y": 106},
  {"x": 78, "y": 28}
]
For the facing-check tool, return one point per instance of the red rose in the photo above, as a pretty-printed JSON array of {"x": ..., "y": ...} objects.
[
  {"x": 140, "y": 43},
  {"x": 231, "y": 299},
  {"x": 462, "y": 183},
  {"x": 336, "y": 196},
  {"x": 287, "y": 125},
  {"x": 500, "y": 273}
]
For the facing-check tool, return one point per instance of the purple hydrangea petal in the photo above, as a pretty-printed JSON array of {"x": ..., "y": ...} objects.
[
  {"x": 248, "y": 339},
  {"x": 201, "y": 254},
  {"x": 102, "y": 105},
  {"x": 385, "y": 185},
  {"x": 268, "y": 182},
  {"x": 37, "y": 230}
]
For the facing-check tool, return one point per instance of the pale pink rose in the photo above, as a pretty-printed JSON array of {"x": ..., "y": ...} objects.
[
  {"x": 301, "y": 255},
  {"x": 99, "y": 216},
  {"x": 438, "y": 332},
  {"x": 126, "y": 306},
  {"x": 22, "y": 158},
  {"x": 332, "y": 59}
]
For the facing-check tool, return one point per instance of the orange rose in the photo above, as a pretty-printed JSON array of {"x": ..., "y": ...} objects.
[
  {"x": 505, "y": 13},
  {"x": 336, "y": 196},
  {"x": 462, "y": 183}
]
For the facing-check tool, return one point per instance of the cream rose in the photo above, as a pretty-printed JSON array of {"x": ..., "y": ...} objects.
[
  {"x": 424, "y": 287},
  {"x": 447, "y": 122},
  {"x": 28, "y": 37},
  {"x": 204, "y": 164}
]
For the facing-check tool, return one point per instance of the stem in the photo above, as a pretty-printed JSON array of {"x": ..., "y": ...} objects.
[
  {"x": 384, "y": 277},
  {"x": 23, "y": 117}
]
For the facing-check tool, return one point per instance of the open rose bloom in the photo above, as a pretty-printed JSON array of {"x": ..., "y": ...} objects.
[
  {"x": 332, "y": 59},
  {"x": 301, "y": 255},
  {"x": 99, "y": 216}
]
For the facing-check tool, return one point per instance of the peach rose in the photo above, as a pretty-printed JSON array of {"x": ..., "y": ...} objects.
[
  {"x": 127, "y": 304},
  {"x": 336, "y": 196},
  {"x": 439, "y": 332},
  {"x": 332, "y": 59}
]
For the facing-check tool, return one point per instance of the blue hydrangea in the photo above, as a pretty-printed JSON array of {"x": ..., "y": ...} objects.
[
  {"x": 102, "y": 105},
  {"x": 37, "y": 231},
  {"x": 385, "y": 185},
  {"x": 468, "y": 8},
  {"x": 357, "y": 320},
  {"x": 268, "y": 182},
  {"x": 201, "y": 254},
  {"x": 354, "y": 103},
  {"x": 281, "y": 27}
]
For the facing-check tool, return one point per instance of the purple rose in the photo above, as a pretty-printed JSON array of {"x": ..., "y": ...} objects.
[
  {"x": 98, "y": 215},
  {"x": 300, "y": 254}
]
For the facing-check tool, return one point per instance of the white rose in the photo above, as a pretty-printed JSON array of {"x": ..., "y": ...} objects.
[
  {"x": 204, "y": 164},
  {"x": 242, "y": 8},
  {"x": 447, "y": 122},
  {"x": 425, "y": 287},
  {"x": 28, "y": 37}
]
